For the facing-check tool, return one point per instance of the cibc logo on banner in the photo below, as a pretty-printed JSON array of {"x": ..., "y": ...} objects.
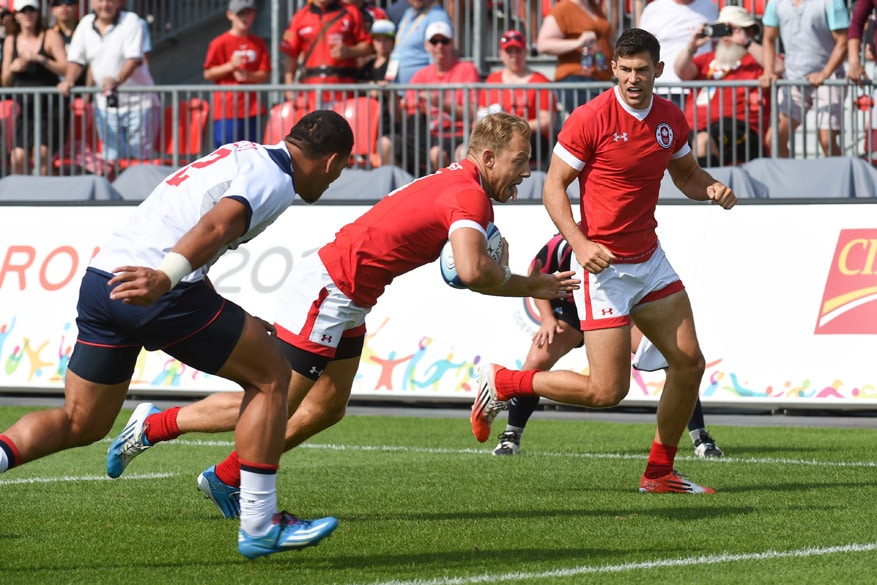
[{"x": 849, "y": 301}]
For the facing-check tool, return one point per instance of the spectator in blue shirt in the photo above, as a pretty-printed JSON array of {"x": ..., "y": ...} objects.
[{"x": 410, "y": 54}]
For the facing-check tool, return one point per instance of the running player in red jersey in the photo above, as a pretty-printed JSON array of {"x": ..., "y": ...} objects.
[
  {"x": 322, "y": 307},
  {"x": 618, "y": 146},
  {"x": 559, "y": 334}
]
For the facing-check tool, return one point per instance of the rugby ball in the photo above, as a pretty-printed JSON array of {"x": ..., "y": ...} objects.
[{"x": 446, "y": 260}]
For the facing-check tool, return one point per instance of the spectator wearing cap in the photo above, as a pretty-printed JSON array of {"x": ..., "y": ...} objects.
[
  {"x": 383, "y": 39},
  {"x": 434, "y": 120},
  {"x": 814, "y": 35},
  {"x": 411, "y": 52},
  {"x": 537, "y": 106},
  {"x": 322, "y": 45},
  {"x": 110, "y": 41},
  {"x": 237, "y": 57},
  {"x": 33, "y": 56},
  {"x": 728, "y": 123},
  {"x": 861, "y": 15},
  {"x": 578, "y": 33},
  {"x": 374, "y": 72}
]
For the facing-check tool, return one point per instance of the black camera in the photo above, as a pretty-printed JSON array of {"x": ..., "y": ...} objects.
[
  {"x": 113, "y": 100},
  {"x": 717, "y": 30}
]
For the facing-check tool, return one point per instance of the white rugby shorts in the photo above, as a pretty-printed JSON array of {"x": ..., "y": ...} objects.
[
  {"x": 312, "y": 313},
  {"x": 605, "y": 300}
]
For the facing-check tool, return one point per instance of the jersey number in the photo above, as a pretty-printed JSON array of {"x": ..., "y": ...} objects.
[{"x": 208, "y": 160}]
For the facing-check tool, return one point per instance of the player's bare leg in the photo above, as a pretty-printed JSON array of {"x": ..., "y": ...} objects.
[
  {"x": 315, "y": 407},
  {"x": 608, "y": 380},
  {"x": 258, "y": 366},
  {"x": 87, "y": 415},
  {"x": 324, "y": 405},
  {"x": 669, "y": 324},
  {"x": 215, "y": 413},
  {"x": 261, "y": 370}
]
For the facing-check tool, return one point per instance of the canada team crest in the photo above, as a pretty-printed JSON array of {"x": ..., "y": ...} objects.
[{"x": 664, "y": 135}]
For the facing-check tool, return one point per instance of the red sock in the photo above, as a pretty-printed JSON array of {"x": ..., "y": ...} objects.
[
  {"x": 13, "y": 455},
  {"x": 162, "y": 426},
  {"x": 229, "y": 471},
  {"x": 511, "y": 383},
  {"x": 661, "y": 460}
]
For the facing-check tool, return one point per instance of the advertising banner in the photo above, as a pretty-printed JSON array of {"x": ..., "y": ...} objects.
[{"x": 784, "y": 297}]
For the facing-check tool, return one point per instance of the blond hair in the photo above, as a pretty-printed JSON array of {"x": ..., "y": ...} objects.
[{"x": 495, "y": 132}]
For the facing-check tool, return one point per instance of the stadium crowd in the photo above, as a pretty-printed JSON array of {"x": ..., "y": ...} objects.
[{"x": 562, "y": 48}]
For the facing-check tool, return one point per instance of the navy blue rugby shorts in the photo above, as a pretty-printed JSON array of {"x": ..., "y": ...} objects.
[{"x": 191, "y": 322}]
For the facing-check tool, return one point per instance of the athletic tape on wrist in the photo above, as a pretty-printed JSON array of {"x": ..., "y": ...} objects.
[{"x": 176, "y": 266}]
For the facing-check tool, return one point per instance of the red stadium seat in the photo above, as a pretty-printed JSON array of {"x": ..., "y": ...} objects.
[
  {"x": 283, "y": 117},
  {"x": 364, "y": 115},
  {"x": 193, "y": 116}
]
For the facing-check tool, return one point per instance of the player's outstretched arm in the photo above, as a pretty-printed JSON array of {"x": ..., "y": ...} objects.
[
  {"x": 697, "y": 184},
  {"x": 139, "y": 285},
  {"x": 536, "y": 284}
]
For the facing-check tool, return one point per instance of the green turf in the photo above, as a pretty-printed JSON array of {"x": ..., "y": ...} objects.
[{"x": 420, "y": 501}]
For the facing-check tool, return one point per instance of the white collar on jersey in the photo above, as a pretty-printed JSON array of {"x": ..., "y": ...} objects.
[{"x": 638, "y": 114}]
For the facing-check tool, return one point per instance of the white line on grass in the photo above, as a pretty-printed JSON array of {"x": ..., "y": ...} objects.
[
  {"x": 683, "y": 562},
  {"x": 26, "y": 480},
  {"x": 643, "y": 457}
]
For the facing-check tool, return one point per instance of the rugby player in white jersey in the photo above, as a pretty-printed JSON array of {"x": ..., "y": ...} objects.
[
  {"x": 147, "y": 287},
  {"x": 323, "y": 304}
]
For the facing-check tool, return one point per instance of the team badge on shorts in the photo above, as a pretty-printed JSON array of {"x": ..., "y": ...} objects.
[{"x": 664, "y": 135}]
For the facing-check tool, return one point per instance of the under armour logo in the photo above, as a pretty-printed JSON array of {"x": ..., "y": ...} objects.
[
  {"x": 606, "y": 311},
  {"x": 616, "y": 136},
  {"x": 316, "y": 371},
  {"x": 326, "y": 338}
]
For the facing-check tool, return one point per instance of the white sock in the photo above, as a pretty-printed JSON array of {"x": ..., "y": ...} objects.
[
  {"x": 519, "y": 430},
  {"x": 695, "y": 434},
  {"x": 258, "y": 502},
  {"x": 4, "y": 461}
]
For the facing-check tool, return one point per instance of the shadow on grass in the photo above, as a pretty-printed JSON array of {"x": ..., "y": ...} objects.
[{"x": 690, "y": 513}]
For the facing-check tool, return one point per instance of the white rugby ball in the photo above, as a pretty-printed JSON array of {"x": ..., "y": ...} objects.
[{"x": 446, "y": 260}]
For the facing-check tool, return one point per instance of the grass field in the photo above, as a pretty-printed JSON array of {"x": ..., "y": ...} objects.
[{"x": 419, "y": 501}]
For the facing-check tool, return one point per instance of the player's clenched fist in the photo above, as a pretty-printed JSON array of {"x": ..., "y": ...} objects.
[{"x": 722, "y": 195}]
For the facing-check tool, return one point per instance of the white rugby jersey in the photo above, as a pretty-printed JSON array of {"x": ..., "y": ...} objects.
[{"x": 259, "y": 176}]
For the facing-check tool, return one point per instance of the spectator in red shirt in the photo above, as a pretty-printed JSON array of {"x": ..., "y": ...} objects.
[
  {"x": 537, "y": 106},
  {"x": 233, "y": 58},
  {"x": 727, "y": 124},
  {"x": 324, "y": 40},
  {"x": 434, "y": 119}
]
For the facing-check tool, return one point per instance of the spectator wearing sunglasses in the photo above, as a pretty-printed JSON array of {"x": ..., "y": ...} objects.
[
  {"x": 434, "y": 119},
  {"x": 537, "y": 106}
]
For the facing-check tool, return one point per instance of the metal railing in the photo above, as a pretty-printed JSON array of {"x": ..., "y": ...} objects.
[{"x": 76, "y": 144}]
